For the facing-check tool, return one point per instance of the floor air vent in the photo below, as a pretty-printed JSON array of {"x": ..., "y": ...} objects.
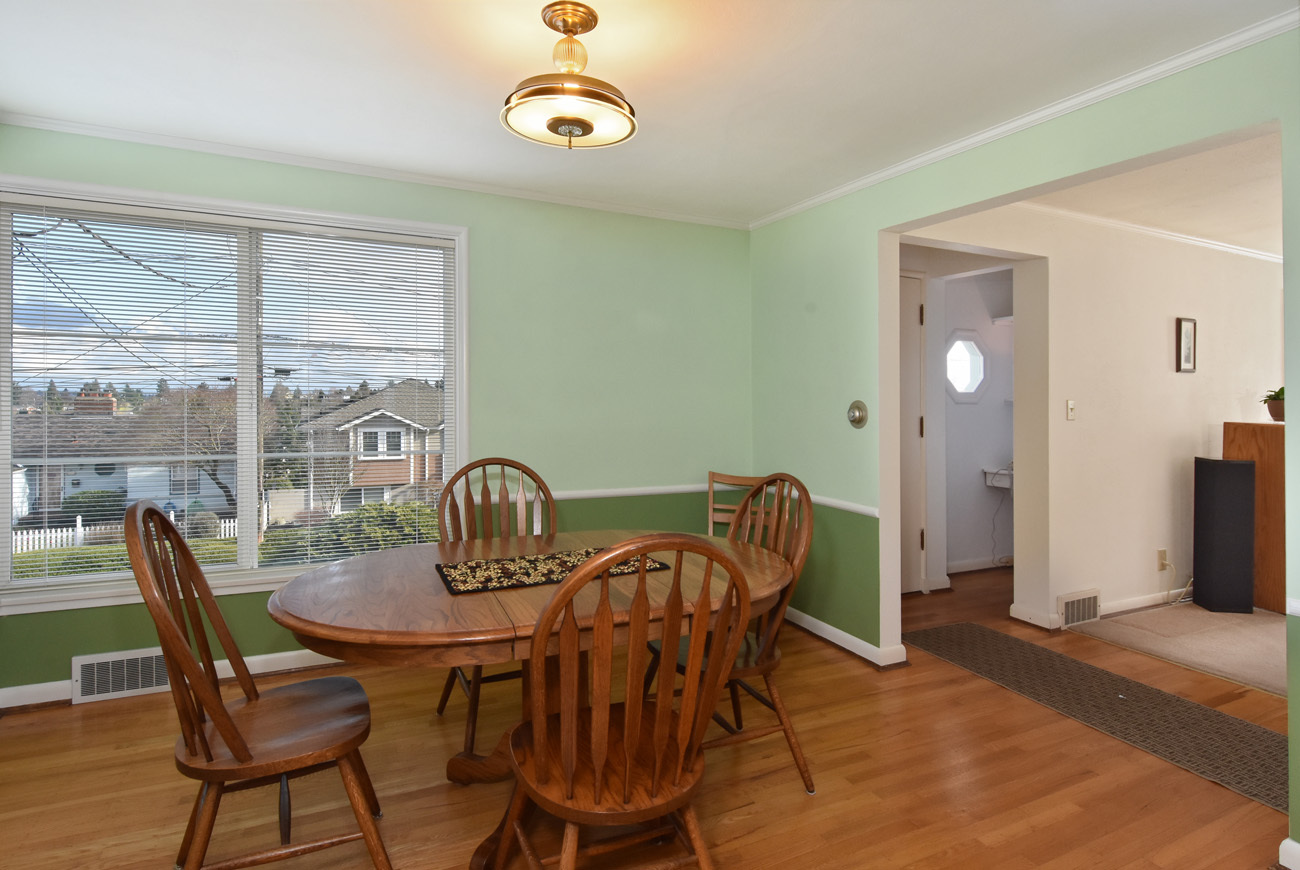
[
  {"x": 1079, "y": 607},
  {"x": 118, "y": 674}
]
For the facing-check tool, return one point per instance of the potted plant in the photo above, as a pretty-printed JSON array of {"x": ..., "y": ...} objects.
[{"x": 1274, "y": 400}]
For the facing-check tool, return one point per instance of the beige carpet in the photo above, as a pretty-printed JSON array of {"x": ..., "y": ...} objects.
[{"x": 1248, "y": 648}]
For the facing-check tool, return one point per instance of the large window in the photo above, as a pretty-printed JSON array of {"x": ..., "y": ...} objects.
[{"x": 222, "y": 368}]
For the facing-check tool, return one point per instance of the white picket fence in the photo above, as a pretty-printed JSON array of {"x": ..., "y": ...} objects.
[{"x": 26, "y": 540}]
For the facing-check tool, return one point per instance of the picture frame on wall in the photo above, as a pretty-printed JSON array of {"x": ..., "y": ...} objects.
[{"x": 1186, "y": 332}]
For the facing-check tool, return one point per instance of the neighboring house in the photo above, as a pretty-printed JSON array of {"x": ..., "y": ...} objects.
[
  {"x": 59, "y": 455},
  {"x": 385, "y": 447},
  {"x": 395, "y": 438}
]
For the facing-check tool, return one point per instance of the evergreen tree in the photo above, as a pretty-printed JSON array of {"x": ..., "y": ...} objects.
[
  {"x": 162, "y": 389},
  {"x": 53, "y": 399}
]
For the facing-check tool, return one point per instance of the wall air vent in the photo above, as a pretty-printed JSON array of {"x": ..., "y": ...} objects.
[
  {"x": 118, "y": 674},
  {"x": 1077, "y": 607}
]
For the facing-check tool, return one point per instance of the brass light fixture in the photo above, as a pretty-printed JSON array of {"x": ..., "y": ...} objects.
[{"x": 567, "y": 109}]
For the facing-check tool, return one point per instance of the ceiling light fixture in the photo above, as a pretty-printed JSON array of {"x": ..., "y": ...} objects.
[{"x": 567, "y": 109}]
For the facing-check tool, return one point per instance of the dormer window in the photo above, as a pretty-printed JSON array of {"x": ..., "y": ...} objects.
[{"x": 381, "y": 444}]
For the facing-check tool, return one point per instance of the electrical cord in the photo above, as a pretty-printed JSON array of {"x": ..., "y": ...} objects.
[{"x": 999, "y": 561}]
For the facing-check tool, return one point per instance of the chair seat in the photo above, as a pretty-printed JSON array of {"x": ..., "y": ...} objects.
[
  {"x": 583, "y": 807},
  {"x": 287, "y": 728},
  {"x": 749, "y": 664}
]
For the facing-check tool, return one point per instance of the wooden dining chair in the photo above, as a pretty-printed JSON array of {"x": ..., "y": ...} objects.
[
  {"x": 722, "y": 510},
  {"x": 594, "y": 753},
  {"x": 490, "y": 498},
  {"x": 259, "y": 738},
  {"x": 776, "y": 515}
]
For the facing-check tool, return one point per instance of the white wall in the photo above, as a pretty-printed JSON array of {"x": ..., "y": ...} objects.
[
  {"x": 979, "y": 431},
  {"x": 1119, "y": 477},
  {"x": 937, "y": 264}
]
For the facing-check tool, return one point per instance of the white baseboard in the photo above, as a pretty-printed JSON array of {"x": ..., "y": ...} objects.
[
  {"x": 979, "y": 564},
  {"x": 1288, "y": 854},
  {"x": 883, "y": 657},
  {"x": 1033, "y": 617},
  {"x": 1136, "y": 603},
  {"x": 61, "y": 690}
]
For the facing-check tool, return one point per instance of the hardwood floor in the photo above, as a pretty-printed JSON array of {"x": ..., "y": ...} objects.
[{"x": 920, "y": 767}]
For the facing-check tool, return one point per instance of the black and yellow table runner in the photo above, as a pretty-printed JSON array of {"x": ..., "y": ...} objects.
[{"x": 481, "y": 575}]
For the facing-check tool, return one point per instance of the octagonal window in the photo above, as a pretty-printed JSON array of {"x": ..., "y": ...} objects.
[
  {"x": 965, "y": 361},
  {"x": 965, "y": 366}
]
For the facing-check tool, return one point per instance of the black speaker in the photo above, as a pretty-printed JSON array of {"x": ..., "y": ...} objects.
[{"x": 1223, "y": 535}]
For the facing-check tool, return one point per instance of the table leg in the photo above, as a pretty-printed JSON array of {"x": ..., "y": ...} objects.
[{"x": 467, "y": 767}]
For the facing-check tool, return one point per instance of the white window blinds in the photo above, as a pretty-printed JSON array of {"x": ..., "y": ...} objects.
[{"x": 226, "y": 370}]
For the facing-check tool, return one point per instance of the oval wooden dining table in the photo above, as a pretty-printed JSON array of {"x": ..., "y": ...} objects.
[{"x": 391, "y": 607}]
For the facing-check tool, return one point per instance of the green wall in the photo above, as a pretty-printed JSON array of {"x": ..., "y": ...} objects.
[
  {"x": 841, "y": 582},
  {"x": 816, "y": 284}
]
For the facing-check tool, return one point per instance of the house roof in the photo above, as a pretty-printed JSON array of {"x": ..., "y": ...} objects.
[
  {"x": 412, "y": 401},
  {"x": 58, "y": 436}
]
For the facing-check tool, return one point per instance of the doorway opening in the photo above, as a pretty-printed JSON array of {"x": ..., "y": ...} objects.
[{"x": 1094, "y": 347}]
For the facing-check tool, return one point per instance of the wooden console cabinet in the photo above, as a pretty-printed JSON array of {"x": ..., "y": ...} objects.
[{"x": 1264, "y": 444}]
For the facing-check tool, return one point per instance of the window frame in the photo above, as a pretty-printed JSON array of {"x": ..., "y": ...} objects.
[
  {"x": 183, "y": 474},
  {"x": 108, "y": 589},
  {"x": 382, "y": 451}
]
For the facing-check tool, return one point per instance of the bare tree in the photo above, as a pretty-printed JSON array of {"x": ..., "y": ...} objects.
[
  {"x": 199, "y": 424},
  {"x": 328, "y": 468}
]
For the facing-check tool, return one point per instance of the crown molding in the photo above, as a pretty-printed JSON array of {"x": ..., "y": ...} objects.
[
  {"x": 1169, "y": 235},
  {"x": 1259, "y": 32},
  {"x": 219, "y": 149},
  {"x": 1266, "y": 29}
]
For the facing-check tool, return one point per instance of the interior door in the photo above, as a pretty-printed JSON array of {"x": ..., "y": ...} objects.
[{"x": 912, "y": 407}]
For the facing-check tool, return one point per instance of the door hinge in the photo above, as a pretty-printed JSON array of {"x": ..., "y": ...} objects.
[
  {"x": 923, "y": 315},
  {"x": 923, "y": 427},
  {"x": 922, "y": 539}
]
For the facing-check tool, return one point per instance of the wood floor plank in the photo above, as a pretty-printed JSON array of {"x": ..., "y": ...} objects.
[{"x": 922, "y": 767}]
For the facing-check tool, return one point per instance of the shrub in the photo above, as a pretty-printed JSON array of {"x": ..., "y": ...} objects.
[
  {"x": 96, "y": 506},
  {"x": 202, "y": 524},
  {"x": 369, "y": 527},
  {"x": 68, "y": 561},
  {"x": 379, "y": 526}
]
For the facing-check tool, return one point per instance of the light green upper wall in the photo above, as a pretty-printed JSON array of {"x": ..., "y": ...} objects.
[
  {"x": 606, "y": 350},
  {"x": 815, "y": 273}
]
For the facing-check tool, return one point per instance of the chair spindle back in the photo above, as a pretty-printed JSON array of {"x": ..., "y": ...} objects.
[
  {"x": 184, "y": 611},
  {"x": 654, "y": 736},
  {"x": 523, "y": 502},
  {"x": 776, "y": 515}
]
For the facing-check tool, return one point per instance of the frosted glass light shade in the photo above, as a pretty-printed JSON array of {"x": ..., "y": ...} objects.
[
  {"x": 549, "y": 99},
  {"x": 570, "y": 56}
]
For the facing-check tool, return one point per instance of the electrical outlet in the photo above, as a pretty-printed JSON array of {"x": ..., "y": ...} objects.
[{"x": 1162, "y": 559}]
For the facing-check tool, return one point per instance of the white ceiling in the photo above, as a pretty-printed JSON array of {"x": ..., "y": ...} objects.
[
  {"x": 747, "y": 108},
  {"x": 1230, "y": 195}
]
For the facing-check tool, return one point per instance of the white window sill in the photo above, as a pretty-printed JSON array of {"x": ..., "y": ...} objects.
[{"x": 106, "y": 593}]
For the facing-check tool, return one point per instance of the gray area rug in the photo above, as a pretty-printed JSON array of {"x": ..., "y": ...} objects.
[
  {"x": 1247, "y": 758},
  {"x": 1247, "y": 648}
]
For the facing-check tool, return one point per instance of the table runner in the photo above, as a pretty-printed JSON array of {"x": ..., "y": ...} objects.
[{"x": 480, "y": 575}]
